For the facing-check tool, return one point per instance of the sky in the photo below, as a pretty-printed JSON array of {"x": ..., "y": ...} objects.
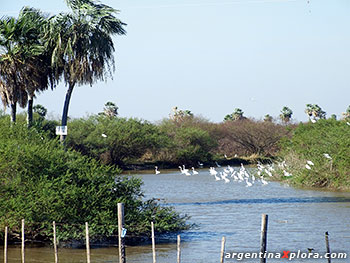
[{"x": 212, "y": 56}]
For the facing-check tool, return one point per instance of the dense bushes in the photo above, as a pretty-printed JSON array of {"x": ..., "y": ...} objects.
[
  {"x": 121, "y": 141},
  {"x": 248, "y": 137},
  {"x": 189, "y": 140},
  {"x": 311, "y": 142},
  {"x": 113, "y": 140},
  {"x": 41, "y": 182},
  {"x": 174, "y": 141}
]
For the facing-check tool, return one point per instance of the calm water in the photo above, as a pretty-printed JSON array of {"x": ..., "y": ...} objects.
[{"x": 298, "y": 220}]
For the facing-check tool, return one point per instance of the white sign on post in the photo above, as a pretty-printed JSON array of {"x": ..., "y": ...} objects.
[{"x": 61, "y": 130}]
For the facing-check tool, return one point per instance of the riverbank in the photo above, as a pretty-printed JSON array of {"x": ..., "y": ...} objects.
[
  {"x": 235, "y": 161},
  {"x": 317, "y": 155}
]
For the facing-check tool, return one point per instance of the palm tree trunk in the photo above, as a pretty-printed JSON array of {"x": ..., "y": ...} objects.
[
  {"x": 13, "y": 112},
  {"x": 65, "y": 109},
  {"x": 30, "y": 112}
]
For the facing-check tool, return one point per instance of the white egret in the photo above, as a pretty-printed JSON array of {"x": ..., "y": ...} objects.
[
  {"x": 224, "y": 177},
  {"x": 327, "y": 156},
  {"x": 230, "y": 169},
  {"x": 249, "y": 184},
  {"x": 268, "y": 173},
  {"x": 242, "y": 167},
  {"x": 181, "y": 170},
  {"x": 286, "y": 173},
  {"x": 104, "y": 135},
  {"x": 187, "y": 173},
  {"x": 263, "y": 181},
  {"x": 194, "y": 171},
  {"x": 218, "y": 165},
  {"x": 240, "y": 177},
  {"x": 233, "y": 174},
  {"x": 226, "y": 171},
  {"x": 157, "y": 172},
  {"x": 212, "y": 171},
  {"x": 184, "y": 169},
  {"x": 310, "y": 163},
  {"x": 307, "y": 167}
]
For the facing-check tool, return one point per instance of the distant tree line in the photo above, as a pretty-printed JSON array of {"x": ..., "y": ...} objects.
[{"x": 183, "y": 138}]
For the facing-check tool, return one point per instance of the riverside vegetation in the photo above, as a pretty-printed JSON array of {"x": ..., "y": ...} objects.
[
  {"x": 42, "y": 181},
  {"x": 326, "y": 143}
]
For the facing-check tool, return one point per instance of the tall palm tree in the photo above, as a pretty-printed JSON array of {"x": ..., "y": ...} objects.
[
  {"x": 286, "y": 114},
  {"x": 110, "y": 110},
  {"x": 12, "y": 70},
  {"x": 40, "y": 63},
  {"x": 21, "y": 59},
  {"x": 315, "y": 112},
  {"x": 235, "y": 116},
  {"x": 82, "y": 45}
]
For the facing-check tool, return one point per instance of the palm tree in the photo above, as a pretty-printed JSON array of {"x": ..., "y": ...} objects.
[
  {"x": 286, "y": 114},
  {"x": 22, "y": 68},
  {"x": 41, "y": 67},
  {"x": 309, "y": 110},
  {"x": 268, "y": 118},
  {"x": 82, "y": 45},
  {"x": 235, "y": 116},
  {"x": 12, "y": 68},
  {"x": 315, "y": 112},
  {"x": 110, "y": 110}
]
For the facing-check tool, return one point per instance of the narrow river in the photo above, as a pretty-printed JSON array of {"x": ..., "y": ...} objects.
[{"x": 298, "y": 220}]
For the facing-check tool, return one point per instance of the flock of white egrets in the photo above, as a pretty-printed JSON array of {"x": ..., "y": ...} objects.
[{"x": 230, "y": 174}]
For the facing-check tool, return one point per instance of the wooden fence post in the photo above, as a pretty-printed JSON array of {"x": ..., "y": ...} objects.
[
  {"x": 5, "y": 245},
  {"x": 55, "y": 241},
  {"x": 22, "y": 249},
  {"x": 121, "y": 240},
  {"x": 87, "y": 242},
  {"x": 153, "y": 244},
  {"x": 327, "y": 247},
  {"x": 178, "y": 249},
  {"x": 222, "y": 250},
  {"x": 263, "y": 240}
]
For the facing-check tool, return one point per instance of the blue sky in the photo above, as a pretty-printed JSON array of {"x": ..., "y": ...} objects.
[{"x": 214, "y": 56}]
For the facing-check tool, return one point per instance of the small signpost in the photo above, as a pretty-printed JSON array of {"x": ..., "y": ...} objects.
[{"x": 61, "y": 130}]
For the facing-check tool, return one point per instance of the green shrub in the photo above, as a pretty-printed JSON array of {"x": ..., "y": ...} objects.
[
  {"x": 310, "y": 142},
  {"x": 41, "y": 182},
  {"x": 113, "y": 140},
  {"x": 189, "y": 142}
]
